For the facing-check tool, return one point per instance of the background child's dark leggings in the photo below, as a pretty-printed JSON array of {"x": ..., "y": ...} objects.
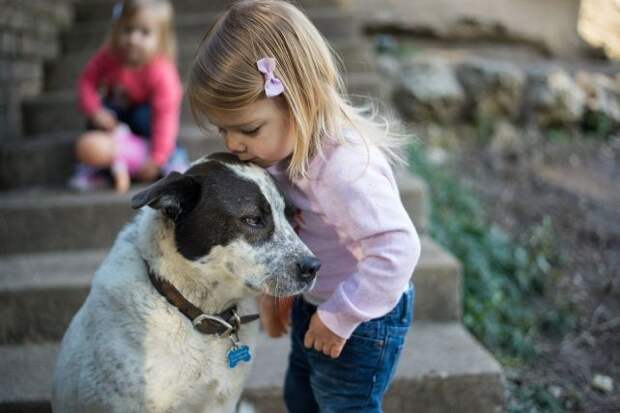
[{"x": 137, "y": 117}]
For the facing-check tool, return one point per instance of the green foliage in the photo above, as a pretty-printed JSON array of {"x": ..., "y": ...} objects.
[
  {"x": 557, "y": 134},
  {"x": 597, "y": 124},
  {"x": 503, "y": 281},
  {"x": 532, "y": 399},
  {"x": 485, "y": 126}
]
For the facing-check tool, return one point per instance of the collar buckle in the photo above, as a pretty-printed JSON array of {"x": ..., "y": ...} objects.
[{"x": 229, "y": 328}]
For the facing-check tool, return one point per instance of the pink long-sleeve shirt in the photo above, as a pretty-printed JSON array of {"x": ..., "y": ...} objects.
[
  {"x": 352, "y": 218},
  {"x": 156, "y": 83}
]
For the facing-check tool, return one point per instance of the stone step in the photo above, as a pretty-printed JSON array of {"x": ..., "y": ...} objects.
[
  {"x": 46, "y": 161},
  {"x": 96, "y": 10},
  {"x": 442, "y": 370},
  {"x": 49, "y": 160},
  {"x": 40, "y": 293},
  {"x": 58, "y": 110},
  {"x": 63, "y": 73},
  {"x": 191, "y": 28},
  {"x": 49, "y": 219}
]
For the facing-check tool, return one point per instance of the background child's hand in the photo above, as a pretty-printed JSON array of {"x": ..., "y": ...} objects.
[
  {"x": 104, "y": 119},
  {"x": 275, "y": 314},
  {"x": 323, "y": 339},
  {"x": 149, "y": 171}
]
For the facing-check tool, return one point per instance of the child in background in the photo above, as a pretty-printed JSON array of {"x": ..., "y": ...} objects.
[
  {"x": 266, "y": 78},
  {"x": 135, "y": 125}
]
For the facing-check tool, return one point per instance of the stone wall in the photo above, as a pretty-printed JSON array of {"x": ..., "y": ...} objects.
[
  {"x": 429, "y": 89},
  {"x": 548, "y": 25},
  {"x": 29, "y": 35}
]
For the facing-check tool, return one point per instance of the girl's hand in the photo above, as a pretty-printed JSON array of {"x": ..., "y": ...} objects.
[
  {"x": 275, "y": 314},
  {"x": 323, "y": 339},
  {"x": 149, "y": 171},
  {"x": 104, "y": 119}
]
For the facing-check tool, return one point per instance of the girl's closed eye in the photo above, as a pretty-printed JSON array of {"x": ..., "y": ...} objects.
[{"x": 251, "y": 132}]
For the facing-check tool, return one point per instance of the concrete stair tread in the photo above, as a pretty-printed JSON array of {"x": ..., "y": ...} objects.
[
  {"x": 200, "y": 19},
  {"x": 93, "y": 10},
  {"x": 69, "y": 94},
  {"x": 42, "y": 198},
  {"x": 57, "y": 110},
  {"x": 40, "y": 293},
  {"x": 440, "y": 353},
  {"x": 49, "y": 159},
  {"x": 23, "y": 272},
  {"x": 187, "y": 130},
  {"x": 62, "y": 73},
  {"x": 190, "y": 27},
  {"x": 424, "y": 339},
  {"x": 50, "y": 196},
  {"x": 39, "y": 219},
  {"x": 19, "y": 272}
]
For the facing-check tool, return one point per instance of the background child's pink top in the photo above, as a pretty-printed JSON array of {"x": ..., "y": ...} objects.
[
  {"x": 354, "y": 221},
  {"x": 156, "y": 83}
]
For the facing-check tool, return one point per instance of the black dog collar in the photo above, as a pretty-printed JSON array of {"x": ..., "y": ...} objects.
[{"x": 225, "y": 323}]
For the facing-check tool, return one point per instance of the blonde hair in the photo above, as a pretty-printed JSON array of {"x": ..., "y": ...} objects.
[
  {"x": 163, "y": 12},
  {"x": 224, "y": 78}
]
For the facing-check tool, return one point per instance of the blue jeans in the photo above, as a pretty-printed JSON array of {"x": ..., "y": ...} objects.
[{"x": 357, "y": 380}]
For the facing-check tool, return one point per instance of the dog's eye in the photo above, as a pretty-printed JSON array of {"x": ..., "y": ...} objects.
[{"x": 256, "y": 222}]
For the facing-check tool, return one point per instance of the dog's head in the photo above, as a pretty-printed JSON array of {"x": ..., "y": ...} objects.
[{"x": 229, "y": 216}]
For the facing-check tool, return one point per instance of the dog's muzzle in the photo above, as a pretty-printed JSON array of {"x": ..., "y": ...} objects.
[{"x": 307, "y": 268}]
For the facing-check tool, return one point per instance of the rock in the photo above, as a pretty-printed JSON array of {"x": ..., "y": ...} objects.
[
  {"x": 388, "y": 67},
  {"x": 598, "y": 25},
  {"x": 437, "y": 156},
  {"x": 602, "y": 95},
  {"x": 543, "y": 25},
  {"x": 506, "y": 143},
  {"x": 429, "y": 91},
  {"x": 493, "y": 88},
  {"x": 386, "y": 44},
  {"x": 556, "y": 391},
  {"x": 553, "y": 98},
  {"x": 603, "y": 383}
]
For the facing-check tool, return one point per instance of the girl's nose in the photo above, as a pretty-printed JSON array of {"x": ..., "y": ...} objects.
[{"x": 234, "y": 144}]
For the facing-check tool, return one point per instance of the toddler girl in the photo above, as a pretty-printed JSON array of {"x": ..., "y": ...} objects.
[
  {"x": 136, "y": 123},
  {"x": 266, "y": 78}
]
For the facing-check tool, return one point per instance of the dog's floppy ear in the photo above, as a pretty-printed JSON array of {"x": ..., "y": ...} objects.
[{"x": 172, "y": 195}]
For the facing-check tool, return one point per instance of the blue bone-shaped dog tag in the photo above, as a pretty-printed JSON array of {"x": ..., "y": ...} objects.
[{"x": 238, "y": 354}]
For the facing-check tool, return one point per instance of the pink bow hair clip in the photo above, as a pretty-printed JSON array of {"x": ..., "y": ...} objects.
[{"x": 273, "y": 85}]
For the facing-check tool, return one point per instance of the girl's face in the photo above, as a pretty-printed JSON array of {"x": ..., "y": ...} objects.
[
  {"x": 139, "y": 38},
  {"x": 260, "y": 132}
]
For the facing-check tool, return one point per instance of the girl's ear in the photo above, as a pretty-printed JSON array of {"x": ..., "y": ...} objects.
[{"x": 173, "y": 195}]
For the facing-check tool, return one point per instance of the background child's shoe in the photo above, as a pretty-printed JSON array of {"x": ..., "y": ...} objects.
[
  {"x": 178, "y": 162},
  {"x": 87, "y": 178}
]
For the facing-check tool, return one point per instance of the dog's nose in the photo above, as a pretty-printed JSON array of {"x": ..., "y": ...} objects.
[{"x": 308, "y": 266}]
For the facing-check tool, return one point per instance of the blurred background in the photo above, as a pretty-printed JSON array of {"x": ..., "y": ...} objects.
[{"x": 512, "y": 108}]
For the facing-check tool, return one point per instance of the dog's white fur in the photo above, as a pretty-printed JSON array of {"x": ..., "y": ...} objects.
[{"x": 128, "y": 350}]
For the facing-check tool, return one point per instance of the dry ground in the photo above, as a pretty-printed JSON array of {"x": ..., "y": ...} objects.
[{"x": 575, "y": 181}]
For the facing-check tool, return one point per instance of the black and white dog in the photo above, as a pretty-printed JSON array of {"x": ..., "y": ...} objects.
[{"x": 169, "y": 325}]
